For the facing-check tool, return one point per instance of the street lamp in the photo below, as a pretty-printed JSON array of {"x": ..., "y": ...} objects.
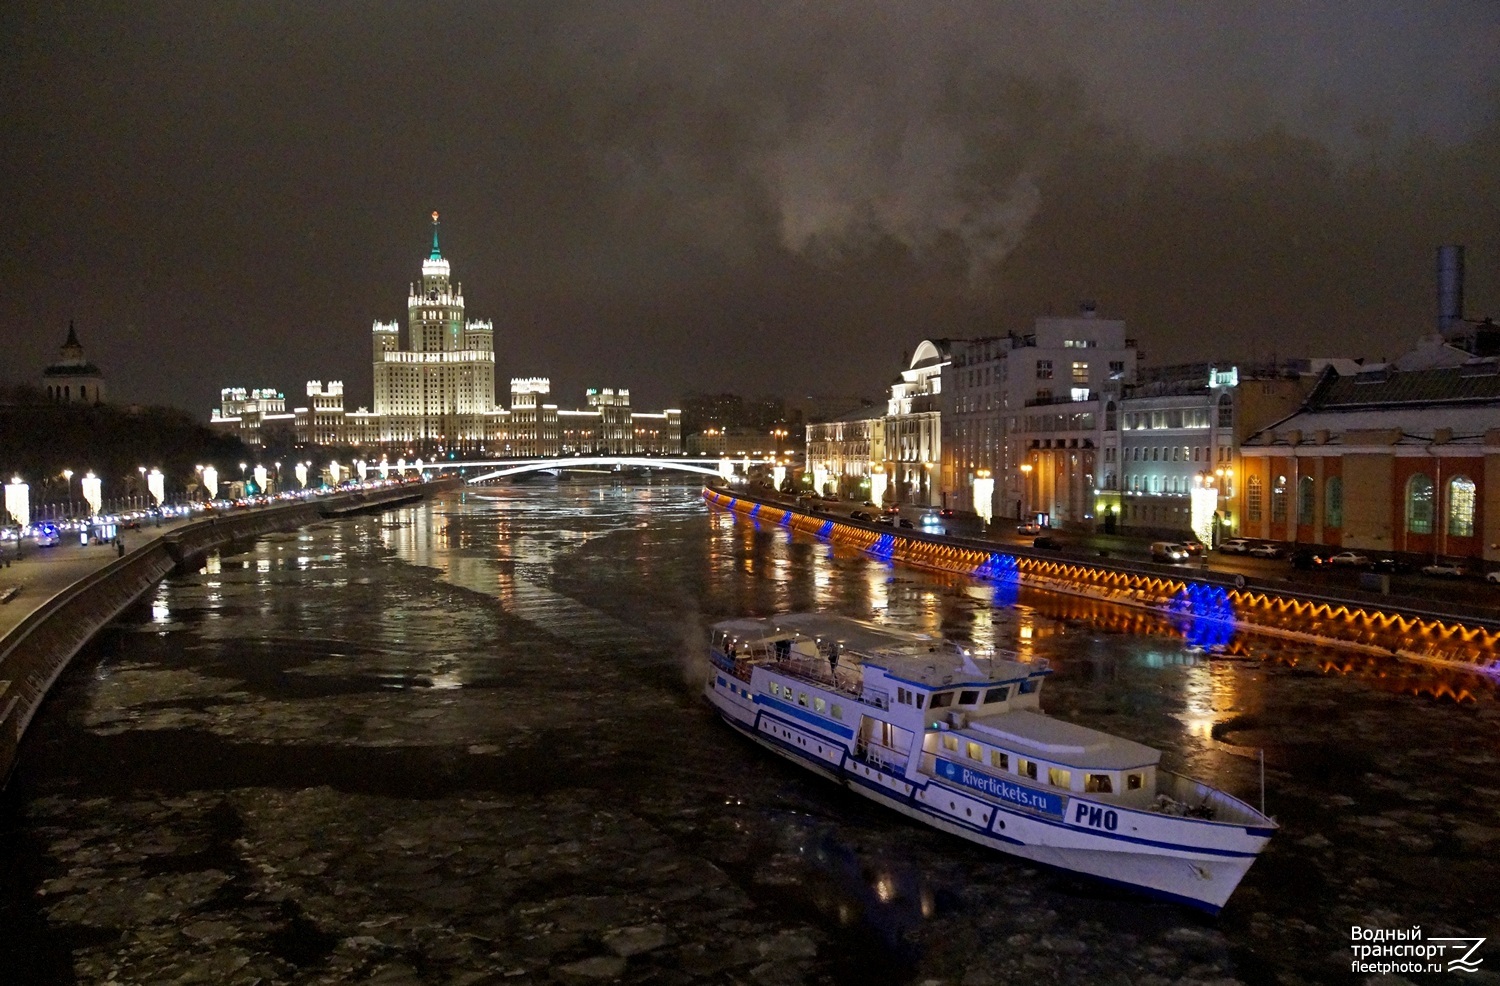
[
  {"x": 1025, "y": 489},
  {"x": 68, "y": 478}
]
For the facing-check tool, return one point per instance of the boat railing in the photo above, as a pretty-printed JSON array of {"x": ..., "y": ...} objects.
[
  {"x": 885, "y": 756},
  {"x": 1195, "y": 799}
]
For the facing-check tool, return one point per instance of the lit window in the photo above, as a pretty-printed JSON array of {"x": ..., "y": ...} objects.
[
  {"x": 1080, "y": 373},
  {"x": 998, "y": 759},
  {"x": 1098, "y": 784},
  {"x": 975, "y": 751},
  {"x": 1026, "y": 768},
  {"x": 1058, "y": 777},
  {"x": 1134, "y": 782},
  {"x": 1419, "y": 504},
  {"x": 819, "y": 705},
  {"x": 802, "y": 699},
  {"x": 1461, "y": 507},
  {"x": 950, "y": 742}
]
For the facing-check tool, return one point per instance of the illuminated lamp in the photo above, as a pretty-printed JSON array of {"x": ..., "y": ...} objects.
[
  {"x": 18, "y": 502},
  {"x": 156, "y": 483},
  {"x": 210, "y": 482},
  {"x": 301, "y": 471},
  {"x": 1204, "y": 503},
  {"x": 877, "y": 485},
  {"x": 984, "y": 494}
]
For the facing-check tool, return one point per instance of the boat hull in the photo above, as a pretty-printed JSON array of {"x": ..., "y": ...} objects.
[{"x": 1199, "y": 876}]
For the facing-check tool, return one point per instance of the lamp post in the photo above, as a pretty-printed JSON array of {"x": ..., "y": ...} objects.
[
  {"x": 1025, "y": 490},
  {"x": 68, "y": 478}
]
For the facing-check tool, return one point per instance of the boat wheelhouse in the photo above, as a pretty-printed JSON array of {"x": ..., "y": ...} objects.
[{"x": 956, "y": 738}]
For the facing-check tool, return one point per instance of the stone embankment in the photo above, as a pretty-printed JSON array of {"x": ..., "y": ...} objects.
[
  {"x": 37, "y": 649},
  {"x": 1421, "y": 630}
]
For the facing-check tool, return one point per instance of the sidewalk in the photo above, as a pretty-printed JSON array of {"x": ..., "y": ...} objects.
[{"x": 26, "y": 585}]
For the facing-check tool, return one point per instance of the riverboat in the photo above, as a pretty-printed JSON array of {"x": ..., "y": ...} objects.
[{"x": 955, "y": 737}]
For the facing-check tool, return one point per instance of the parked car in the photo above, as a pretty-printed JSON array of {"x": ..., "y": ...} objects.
[
  {"x": 945, "y": 512},
  {"x": 1048, "y": 542},
  {"x": 1236, "y": 546},
  {"x": 1492, "y": 576},
  {"x": 1029, "y": 530},
  {"x": 1351, "y": 558},
  {"x": 903, "y": 522},
  {"x": 861, "y": 515},
  {"x": 1168, "y": 551},
  {"x": 1267, "y": 550},
  {"x": 893, "y": 509},
  {"x": 1390, "y": 566},
  {"x": 886, "y": 519},
  {"x": 1447, "y": 569}
]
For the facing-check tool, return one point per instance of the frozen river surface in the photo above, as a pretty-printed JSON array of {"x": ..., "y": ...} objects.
[{"x": 463, "y": 743}]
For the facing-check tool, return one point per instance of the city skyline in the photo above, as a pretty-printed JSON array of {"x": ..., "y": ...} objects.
[{"x": 761, "y": 201}]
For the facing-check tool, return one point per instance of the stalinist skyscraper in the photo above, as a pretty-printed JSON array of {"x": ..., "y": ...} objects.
[{"x": 437, "y": 391}]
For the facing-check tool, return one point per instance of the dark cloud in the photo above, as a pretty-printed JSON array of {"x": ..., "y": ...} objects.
[{"x": 766, "y": 197}]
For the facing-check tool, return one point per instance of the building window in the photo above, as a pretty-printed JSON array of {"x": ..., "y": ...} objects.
[
  {"x": 1226, "y": 411},
  {"x": 1252, "y": 499},
  {"x": 1419, "y": 504},
  {"x": 1116, "y": 366},
  {"x": 1080, "y": 373},
  {"x": 1278, "y": 501},
  {"x": 1461, "y": 507},
  {"x": 1111, "y": 417},
  {"x": 1305, "y": 500},
  {"x": 1333, "y": 502},
  {"x": 1044, "y": 369}
]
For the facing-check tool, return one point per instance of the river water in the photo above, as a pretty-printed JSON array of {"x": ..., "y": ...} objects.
[{"x": 462, "y": 742}]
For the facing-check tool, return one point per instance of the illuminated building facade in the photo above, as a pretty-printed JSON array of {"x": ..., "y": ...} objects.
[
  {"x": 437, "y": 395},
  {"x": 1400, "y": 457}
]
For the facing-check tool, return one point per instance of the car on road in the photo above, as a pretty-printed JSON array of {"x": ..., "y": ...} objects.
[
  {"x": 945, "y": 512},
  {"x": 1194, "y": 548},
  {"x": 45, "y": 535},
  {"x": 1447, "y": 569},
  {"x": 893, "y": 509},
  {"x": 1349, "y": 558},
  {"x": 1307, "y": 558},
  {"x": 1168, "y": 551},
  {"x": 886, "y": 520},
  {"x": 903, "y": 522},
  {"x": 1266, "y": 550},
  {"x": 1390, "y": 566},
  {"x": 1048, "y": 543},
  {"x": 861, "y": 515},
  {"x": 1236, "y": 546},
  {"x": 1029, "y": 530}
]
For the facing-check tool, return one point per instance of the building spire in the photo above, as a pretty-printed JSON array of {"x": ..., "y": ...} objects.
[
  {"x": 436, "y": 253},
  {"x": 72, "y": 336}
]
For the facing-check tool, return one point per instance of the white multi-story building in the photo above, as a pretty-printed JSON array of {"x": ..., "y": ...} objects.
[
  {"x": 438, "y": 390},
  {"x": 437, "y": 395}
]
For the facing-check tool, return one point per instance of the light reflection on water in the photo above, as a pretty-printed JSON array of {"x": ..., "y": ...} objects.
[{"x": 595, "y": 594}]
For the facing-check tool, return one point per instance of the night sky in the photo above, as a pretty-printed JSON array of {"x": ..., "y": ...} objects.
[{"x": 757, "y": 197}]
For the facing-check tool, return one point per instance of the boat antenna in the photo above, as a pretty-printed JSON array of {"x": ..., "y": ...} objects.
[{"x": 1263, "y": 780}]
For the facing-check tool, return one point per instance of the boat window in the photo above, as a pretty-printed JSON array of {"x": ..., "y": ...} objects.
[
  {"x": 998, "y": 759},
  {"x": 1029, "y": 685},
  {"x": 1098, "y": 784},
  {"x": 942, "y": 700},
  {"x": 1026, "y": 768},
  {"x": 919, "y": 701},
  {"x": 996, "y": 695},
  {"x": 968, "y": 698},
  {"x": 819, "y": 705},
  {"x": 975, "y": 752},
  {"x": 950, "y": 742},
  {"x": 837, "y": 710},
  {"x": 1058, "y": 777},
  {"x": 1133, "y": 782},
  {"x": 802, "y": 699}
]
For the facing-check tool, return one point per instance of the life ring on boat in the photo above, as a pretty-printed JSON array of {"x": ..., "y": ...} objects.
[{"x": 1239, "y": 581}]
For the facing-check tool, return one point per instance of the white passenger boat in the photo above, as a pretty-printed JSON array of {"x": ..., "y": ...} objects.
[{"x": 956, "y": 738}]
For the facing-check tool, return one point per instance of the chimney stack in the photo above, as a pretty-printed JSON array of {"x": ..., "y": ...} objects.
[{"x": 1450, "y": 287}]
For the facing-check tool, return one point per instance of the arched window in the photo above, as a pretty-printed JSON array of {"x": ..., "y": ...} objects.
[
  {"x": 1226, "y": 411},
  {"x": 1252, "y": 499},
  {"x": 1278, "y": 501},
  {"x": 1461, "y": 507},
  {"x": 1333, "y": 502},
  {"x": 1111, "y": 417},
  {"x": 1419, "y": 504},
  {"x": 1305, "y": 500}
]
